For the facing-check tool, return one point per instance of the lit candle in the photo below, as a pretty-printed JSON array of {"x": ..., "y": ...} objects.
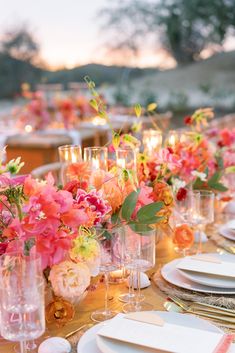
[
  {"x": 152, "y": 140},
  {"x": 28, "y": 128},
  {"x": 95, "y": 164},
  {"x": 121, "y": 162},
  {"x": 172, "y": 138},
  {"x": 97, "y": 157}
]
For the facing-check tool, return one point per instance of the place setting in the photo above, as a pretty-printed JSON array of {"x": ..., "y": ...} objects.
[{"x": 114, "y": 230}]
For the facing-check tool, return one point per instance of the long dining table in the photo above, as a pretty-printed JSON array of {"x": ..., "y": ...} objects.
[{"x": 95, "y": 299}]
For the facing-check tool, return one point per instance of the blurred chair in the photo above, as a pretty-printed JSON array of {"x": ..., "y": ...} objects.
[{"x": 42, "y": 171}]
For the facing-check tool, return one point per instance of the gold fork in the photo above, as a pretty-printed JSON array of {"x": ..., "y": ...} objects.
[
  {"x": 205, "y": 307},
  {"x": 208, "y": 314}
]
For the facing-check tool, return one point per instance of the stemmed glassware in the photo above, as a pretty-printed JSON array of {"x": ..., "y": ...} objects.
[
  {"x": 185, "y": 218},
  {"x": 69, "y": 155},
  {"x": 22, "y": 298},
  {"x": 111, "y": 259},
  {"x": 139, "y": 256},
  {"x": 205, "y": 213}
]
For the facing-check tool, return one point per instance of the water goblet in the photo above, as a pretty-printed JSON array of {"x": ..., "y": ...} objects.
[
  {"x": 205, "y": 213},
  {"x": 139, "y": 256},
  {"x": 22, "y": 298},
  {"x": 111, "y": 259}
]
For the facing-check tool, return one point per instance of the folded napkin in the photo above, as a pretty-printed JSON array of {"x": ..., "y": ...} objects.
[
  {"x": 166, "y": 337},
  {"x": 208, "y": 264}
]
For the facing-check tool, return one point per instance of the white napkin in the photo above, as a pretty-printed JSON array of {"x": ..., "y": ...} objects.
[
  {"x": 168, "y": 338},
  {"x": 208, "y": 264}
]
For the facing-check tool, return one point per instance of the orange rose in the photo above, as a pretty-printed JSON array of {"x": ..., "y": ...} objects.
[{"x": 183, "y": 236}]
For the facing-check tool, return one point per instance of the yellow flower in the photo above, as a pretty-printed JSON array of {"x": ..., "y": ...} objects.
[{"x": 86, "y": 250}]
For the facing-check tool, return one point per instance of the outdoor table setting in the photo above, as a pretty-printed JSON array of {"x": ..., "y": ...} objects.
[{"x": 133, "y": 252}]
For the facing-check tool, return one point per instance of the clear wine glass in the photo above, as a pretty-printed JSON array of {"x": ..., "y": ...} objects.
[
  {"x": 205, "y": 213},
  {"x": 22, "y": 298},
  {"x": 183, "y": 221},
  {"x": 139, "y": 256},
  {"x": 111, "y": 259}
]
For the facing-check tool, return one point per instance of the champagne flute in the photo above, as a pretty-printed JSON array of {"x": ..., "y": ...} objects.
[{"x": 22, "y": 298}]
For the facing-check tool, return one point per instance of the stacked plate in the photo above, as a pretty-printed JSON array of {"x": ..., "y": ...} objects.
[
  {"x": 228, "y": 230},
  {"x": 174, "y": 333},
  {"x": 207, "y": 273}
]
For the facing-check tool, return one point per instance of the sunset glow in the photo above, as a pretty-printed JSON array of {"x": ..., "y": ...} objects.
[{"x": 69, "y": 34}]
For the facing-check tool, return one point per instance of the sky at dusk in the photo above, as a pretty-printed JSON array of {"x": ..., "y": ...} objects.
[{"x": 68, "y": 31}]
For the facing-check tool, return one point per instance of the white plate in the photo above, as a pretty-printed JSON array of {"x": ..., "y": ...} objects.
[
  {"x": 211, "y": 281},
  {"x": 172, "y": 275},
  {"x": 227, "y": 232},
  {"x": 87, "y": 343}
]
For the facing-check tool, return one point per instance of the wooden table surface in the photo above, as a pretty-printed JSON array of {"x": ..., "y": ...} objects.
[{"x": 95, "y": 299}]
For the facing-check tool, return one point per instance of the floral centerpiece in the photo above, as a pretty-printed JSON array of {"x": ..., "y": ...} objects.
[{"x": 59, "y": 224}]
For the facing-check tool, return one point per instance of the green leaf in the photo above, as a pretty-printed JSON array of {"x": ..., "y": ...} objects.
[
  {"x": 215, "y": 178},
  {"x": 107, "y": 235},
  {"x": 129, "y": 205},
  {"x": 198, "y": 184},
  {"x": 230, "y": 170},
  {"x": 151, "y": 107},
  {"x": 220, "y": 162},
  {"x": 152, "y": 220},
  {"x": 139, "y": 228},
  {"x": 114, "y": 218},
  {"x": 94, "y": 104},
  {"x": 149, "y": 212},
  {"x": 102, "y": 114},
  {"x": 206, "y": 171},
  {"x": 219, "y": 187},
  {"x": 115, "y": 139},
  {"x": 28, "y": 244},
  {"x": 138, "y": 110},
  {"x": 130, "y": 140}
]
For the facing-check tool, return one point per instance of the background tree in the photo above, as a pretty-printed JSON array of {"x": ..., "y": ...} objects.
[
  {"x": 18, "y": 53},
  {"x": 20, "y": 44},
  {"x": 183, "y": 27}
]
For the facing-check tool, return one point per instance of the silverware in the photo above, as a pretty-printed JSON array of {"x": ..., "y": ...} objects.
[
  {"x": 78, "y": 329},
  {"x": 204, "y": 307},
  {"x": 172, "y": 307},
  {"x": 225, "y": 311},
  {"x": 218, "y": 317}
]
